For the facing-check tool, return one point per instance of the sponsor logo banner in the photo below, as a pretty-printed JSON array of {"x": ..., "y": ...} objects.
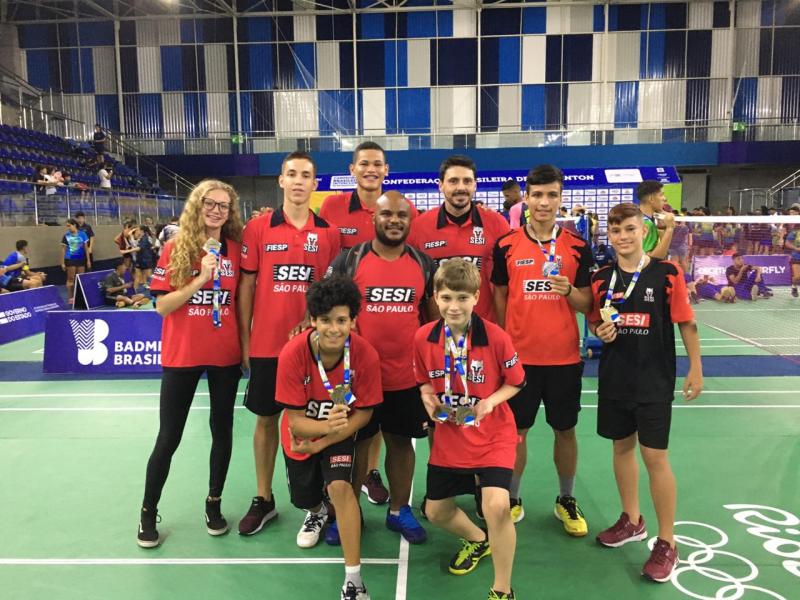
[
  {"x": 23, "y": 313},
  {"x": 775, "y": 267},
  {"x": 102, "y": 342}
]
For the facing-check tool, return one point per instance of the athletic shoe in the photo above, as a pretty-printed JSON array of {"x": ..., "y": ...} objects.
[
  {"x": 374, "y": 489},
  {"x": 794, "y": 292},
  {"x": 332, "y": 534},
  {"x": 261, "y": 511},
  {"x": 570, "y": 515},
  {"x": 215, "y": 522},
  {"x": 308, "y": 536},
  {"x": 517, "y": 512},
  {"x": 351, "y": 592},
  {"x": 622, "y": 532},
  {"x": 407, "y": 525},
  {"x": 148, "y": 534},
  {"x": 469, "y": 556},
  {"x": 754, "y": 293},
  {"x": 662, "y": 562},
  {"x": 500, "y": 595}
]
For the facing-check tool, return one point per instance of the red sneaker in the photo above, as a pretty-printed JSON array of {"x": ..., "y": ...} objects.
[
  {"x": 662, "y": 562},
  {"x": 622, "y": 532}
]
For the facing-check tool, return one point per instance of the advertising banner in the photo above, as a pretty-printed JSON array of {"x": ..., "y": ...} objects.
[
  {"x": 23, "y": 313},
  {"x": 775, "y": 267},
  {"x": 107, "y": 341}
]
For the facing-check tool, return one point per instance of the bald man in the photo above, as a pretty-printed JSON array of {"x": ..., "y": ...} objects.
[{"x": 396, "y": 282}]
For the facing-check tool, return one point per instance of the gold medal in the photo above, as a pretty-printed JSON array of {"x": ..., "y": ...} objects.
[
  {"x": 341, "y": 394},
  {"x": 465, "y": 415},
  {"x": 609, "y": 314}
]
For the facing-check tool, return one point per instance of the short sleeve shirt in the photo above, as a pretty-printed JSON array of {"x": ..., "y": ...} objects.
[
  {"x": 12, "y": 259},
  {"x": 640, "y": 363},
  {"x": 793, "y": 240},
  {"x": 112, "y": 280},
  {"x": 650, "y": 240},
  {"x": 441, "y": 239},
  {"x": 286, "y": 260},
  {"x": 76, "y": 245},
  {"x": 299, "y": 385},
  {"x": 188, "y": 335},
  {"x": 541, "y": 323},
  {"x": 87, "y": 229},
  {"x": 492, "y": 362},
  {"x": 394, "y": 295},
  {"x": 352, "y": 218}
]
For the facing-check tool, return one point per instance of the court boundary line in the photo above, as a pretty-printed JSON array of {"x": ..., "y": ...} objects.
[
  {"x": 401, "y": 589},
  {"x": 185, "y": 561}
]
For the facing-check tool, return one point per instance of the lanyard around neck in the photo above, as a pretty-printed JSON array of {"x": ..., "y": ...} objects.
[{"x": 631, "y": 285}]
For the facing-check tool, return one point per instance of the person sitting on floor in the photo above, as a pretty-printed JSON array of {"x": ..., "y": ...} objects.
[{"x": 114, "y": 286}]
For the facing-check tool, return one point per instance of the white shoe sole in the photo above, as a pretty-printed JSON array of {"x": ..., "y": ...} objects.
[
  {"x": 365, "y": 491},
  {"x": 310, "y": 543},
  {"x": 634, "y": 538},
  {"x": 216, "y": 532},
  {"x": 143, "y": 544},
  {"x": 267, "y": 518}
]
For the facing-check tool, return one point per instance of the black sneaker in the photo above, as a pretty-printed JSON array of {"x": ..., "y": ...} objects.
[
  {"x": 215, "y": 522},
  {"x": 148, "y": 534},
  {"x": 261, "y": 511},
  {"x": 351, "y": 592},
  {"x": 468, "y": 557},
  {"x": 794, "y": 292}
]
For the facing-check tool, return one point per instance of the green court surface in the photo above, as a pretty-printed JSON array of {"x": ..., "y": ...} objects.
[{"x": 73, "y": 455}]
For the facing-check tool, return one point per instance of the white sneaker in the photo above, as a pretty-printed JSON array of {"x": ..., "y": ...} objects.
[
  {"x": 351, "y": 592},
  {"x": 308, "y": 536}
]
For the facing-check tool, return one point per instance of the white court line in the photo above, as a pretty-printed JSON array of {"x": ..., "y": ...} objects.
[
  {"x": 39, "y": 351},
  {"x": 185, "y": 561},
  {"x": 402, "y": 566},
  {"x": 100, "y": 395}
]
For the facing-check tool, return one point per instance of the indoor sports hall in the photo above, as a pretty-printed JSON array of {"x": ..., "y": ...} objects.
[{"x": 112, "y": 111}]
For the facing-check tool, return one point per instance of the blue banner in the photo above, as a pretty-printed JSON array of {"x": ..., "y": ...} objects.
[
  {"x": 107, "y": 341},
  {"x": 23, "y": 313},
  {"x": 493, "y": 180},
  {"x": 91, "y": 286}
]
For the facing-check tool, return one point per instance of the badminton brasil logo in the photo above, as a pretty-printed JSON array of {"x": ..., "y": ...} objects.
[{"x": 89, "y": 335}]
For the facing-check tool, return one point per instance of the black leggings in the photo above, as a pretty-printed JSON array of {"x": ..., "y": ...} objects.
[{"x": 177, "y": 392}]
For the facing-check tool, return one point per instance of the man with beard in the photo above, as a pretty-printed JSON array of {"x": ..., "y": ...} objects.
[
  {"x": 459, "y": 228},
  {"x": 396, "y": 282}
]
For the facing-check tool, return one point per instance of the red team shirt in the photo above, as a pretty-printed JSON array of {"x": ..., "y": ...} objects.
[
  {"x": 492, "y": 362},
  {"x": 433, "y": 233},
  {"x": 188, "y": 335},
  {"x": 354, "y": 220},
  {"x": 287, "y": 260},
  {"x": 541, "y": 322},
  {"x": 299, "y": 385},
  {"x": 394, "y": 294}
]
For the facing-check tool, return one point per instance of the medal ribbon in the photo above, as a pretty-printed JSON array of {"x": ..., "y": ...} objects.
[
  {"x": 631, "y": 285},
  {"x": 551, "y": 256},
  {"x": 455, "y": 355},
  {"x": 215, "y": 311},
  {"x": 324, "y": 376}
]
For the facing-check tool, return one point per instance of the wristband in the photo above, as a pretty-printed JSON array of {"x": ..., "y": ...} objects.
[{"x": 569, "y": 291}]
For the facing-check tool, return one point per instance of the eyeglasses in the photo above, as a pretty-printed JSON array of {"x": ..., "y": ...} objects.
[{"x": 210, "y": 204}]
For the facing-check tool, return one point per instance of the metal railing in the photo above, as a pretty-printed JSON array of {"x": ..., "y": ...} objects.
[
  {"x": 24, "y": 203},
  {"x": 590, "y": 134}
]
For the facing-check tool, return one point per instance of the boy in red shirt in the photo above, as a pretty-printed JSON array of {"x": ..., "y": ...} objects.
[
  {"x": 283, "y": 252},
  {"x": 636, "y": 301},
  {"x": 329, "y": 380},
  {"x": 467, "y": 370}
]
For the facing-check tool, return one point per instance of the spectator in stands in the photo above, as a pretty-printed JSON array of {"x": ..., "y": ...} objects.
[
  {"x": 17, "y": 274},
  {"x": 46, "y": 186},
  {"x": 124, "y": 242},
  {"x": 512, "y": 196},
  {"x": 105, "y": 174},
  {"x": 99, "y": 139},
  {"x": 145, "y": 257},
  {"x": 114, "y": 286},
  {"x": 80, "y": 217},
  {"x": 170, "y": 230},
  {"x": 75, "y": 258}
]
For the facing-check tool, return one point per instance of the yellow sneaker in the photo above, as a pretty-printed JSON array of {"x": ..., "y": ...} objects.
[
  {"x": 570, "y": 515},
  {"x": 517, "y": 512}
]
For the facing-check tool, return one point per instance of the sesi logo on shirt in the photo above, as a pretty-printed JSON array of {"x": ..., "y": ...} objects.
[
  {"x": 206, "y": 297},
  {"x": 304, "y": 273},
  {"x": 641, "y": 320},
  {"x": 475, "y": 260},
  {"x": 477, "y": 237},
  {"x": 390, "y": 294},
  {"x": 476, "y": 371},
  {"x": 311, "y": 242}
]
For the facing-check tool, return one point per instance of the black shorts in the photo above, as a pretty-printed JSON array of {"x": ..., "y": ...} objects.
[
  {"x": 618, "y": 419},
  {"x": 15, "y": 284},
  {"x": 308, "y": 478},
  {"x": 111, "y": 300},
  {"x": 259, "y": 397},
  {"x": 74, "y": 263},
  {"x": 443, "y": 482},
  {"x": 401, "y": 413},
  {"x": 559, "y": 387}
]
